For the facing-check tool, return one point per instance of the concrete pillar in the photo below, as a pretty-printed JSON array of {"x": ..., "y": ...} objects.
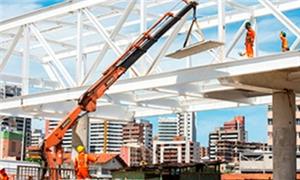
[
  {"x": 284, "y": 135},
  {"x": 80, "y": 135}
]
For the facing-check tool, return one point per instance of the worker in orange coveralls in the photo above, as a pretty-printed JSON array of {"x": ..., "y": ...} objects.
[
  {"x": 82, "y": 161},
  {"x": 284, "y": 42},
  {"x": 3, "y": 175},
  {"x": 249, "y": 41}
]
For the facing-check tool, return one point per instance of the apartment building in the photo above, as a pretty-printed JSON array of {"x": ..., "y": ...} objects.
[
  {"x": 187, "y": 125},
  {"x": 230, "y": 151},
  {"x": 203, "y": 152},
  {"x": 182, "y": 125},
  {"x": 10, "y": 145},
  {"x": 139, "y": 133},
  {"x": 178, "y": 150},
  {"x": 233, "y": 130},
  {"x": 9, "y": 90},
  {"x": 167, "y": 129},
  {"x": 137, "y": 143},
  {"x": 106, "y": 135},
  {"x": 67, "y": 139},
  {"x": 37, "y": 136},
  {"x": 20, "y": 124},
  {"x": 135, "y": 154}
]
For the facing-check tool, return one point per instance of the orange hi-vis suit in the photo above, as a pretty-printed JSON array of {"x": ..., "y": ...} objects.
[
  {"x": 82, "y": 165},
  {"x": 249, "y": 42},
  {"x": 284, "y": 43},
  {"x": 3, "y": 175}
]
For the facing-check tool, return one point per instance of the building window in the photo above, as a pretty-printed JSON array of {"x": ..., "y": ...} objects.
[
  {"x": 13, "y": 147},
  {"x": 270, "y": 121},
  {"x": 298, "y": 121},
  {"x": 269, "y": 108}
]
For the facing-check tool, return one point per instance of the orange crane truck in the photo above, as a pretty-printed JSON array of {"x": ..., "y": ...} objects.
[{"x": 52, "y": 151}]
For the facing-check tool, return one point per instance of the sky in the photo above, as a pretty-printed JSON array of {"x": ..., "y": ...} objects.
[{"x": 207, "y": 121}]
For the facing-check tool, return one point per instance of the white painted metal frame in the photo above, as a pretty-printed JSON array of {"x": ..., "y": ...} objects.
[{"x": 79, "y": 31}]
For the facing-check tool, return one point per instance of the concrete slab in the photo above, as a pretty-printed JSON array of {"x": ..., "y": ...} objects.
[{"x": 194, "y": 49}]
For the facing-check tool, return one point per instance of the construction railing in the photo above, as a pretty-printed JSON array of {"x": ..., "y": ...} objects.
[{"x": 36, "y": 173}]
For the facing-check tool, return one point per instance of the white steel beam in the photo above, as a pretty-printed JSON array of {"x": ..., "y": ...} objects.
[
  {"x": 112, "y": 36},
  {"x": 25, "y": 62},
  {"x": 143, "y": 16},
  {"x": 221, "y": 28},
  {"x": 79, "y": 59},
  {"x": 256, "y": 48},
  {"x": 166, "y": 46},
  {"x": 102, "y": 31},
  {"x": 34, "y": 82},
  {"x": 236, "y": 38},
  {"x": 281, "y": 17},
  {"x": 11, "y": 49},
  {"x": 239, "y": 6},
  {"x": 295, "y": 44},
  {"x": 113, "y": 14},
  {"x": 185, "y": 76},
  {"x": 50, "y": 12},
  {"x": 204, "y": 23},
  {"x": 179, "y": 78},
  {"x": 51, "y": 53},
  {"x": 52, "y": 74}
]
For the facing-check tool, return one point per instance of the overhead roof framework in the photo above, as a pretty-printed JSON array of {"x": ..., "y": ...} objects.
[{"x": 74, "y": 41}]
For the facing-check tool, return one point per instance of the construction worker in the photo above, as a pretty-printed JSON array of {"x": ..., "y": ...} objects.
[
  {"x": 284, "y": 42},
  {"x": 3, "y": 175},
  {"x": 82, "y": 161},
  {"x": 249, "y": 41}
]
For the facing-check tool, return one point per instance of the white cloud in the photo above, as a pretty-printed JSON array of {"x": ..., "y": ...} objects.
[{"x": 13, "y": 8}]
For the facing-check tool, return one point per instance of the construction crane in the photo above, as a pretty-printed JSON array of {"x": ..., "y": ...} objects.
[{"x": 52, "y": 145}]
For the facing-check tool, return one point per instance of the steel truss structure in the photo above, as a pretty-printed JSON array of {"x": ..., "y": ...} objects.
[{"x": 74, "y": 41}]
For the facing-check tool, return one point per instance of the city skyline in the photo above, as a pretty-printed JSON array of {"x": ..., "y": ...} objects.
[{"x": 207, "y": 120}]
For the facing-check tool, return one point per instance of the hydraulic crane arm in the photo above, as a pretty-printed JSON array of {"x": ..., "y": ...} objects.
[{"x": 87, "y": 102}]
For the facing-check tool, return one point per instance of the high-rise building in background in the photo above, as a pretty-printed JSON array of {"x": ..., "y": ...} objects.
[
  {"x": 9, "y": 90},
  {"x": 176, "y": 140},
  {"x": 233, "y": 130},
  {"x": 137, "y": 143},
  {"x": 178, "y": 150},
  {"x": 139, "y": 133},
  {"x": 186, "y": 125},
  {"x": 262, "y": 161},
  {"x": 182, "y": 125},
  {"x": 229, "y": 142},
  {"x": 230, "y": 151},
  {"x": 135, "y": 154},
  {"x": 67, "y": 139},
  {"x": 203, "y": 152},
  {"x": 10, "y": 144},
  {"x": 167, "y": 128},
  {"x": 19, "y": 124},
  {"x": 37, "y": 136},
  {"x": 105, "y": 135}
]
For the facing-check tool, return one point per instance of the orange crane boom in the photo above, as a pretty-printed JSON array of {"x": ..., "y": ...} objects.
[{"x": 52, "y": 146}]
